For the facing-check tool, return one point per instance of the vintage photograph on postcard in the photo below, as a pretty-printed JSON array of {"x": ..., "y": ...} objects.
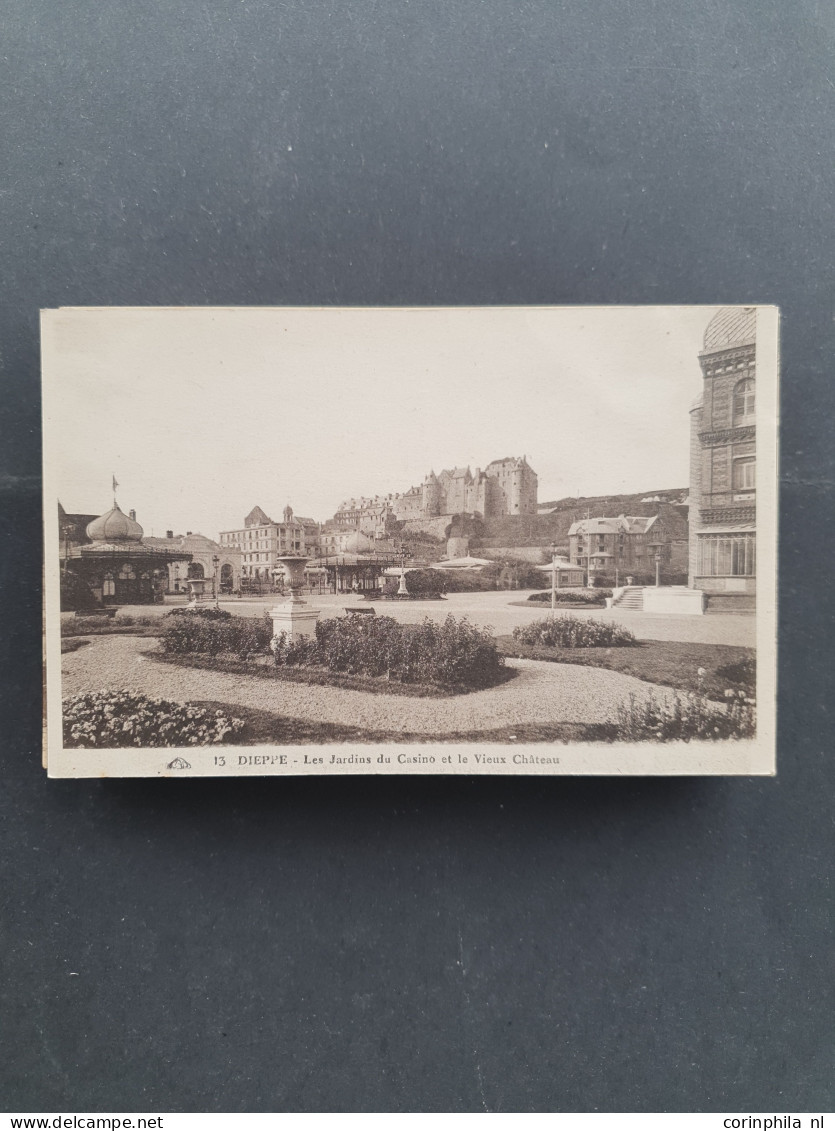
[{"x": 488, "y": 540}]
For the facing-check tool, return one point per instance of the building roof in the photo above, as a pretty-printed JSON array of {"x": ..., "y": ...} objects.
[
  {"x": 623, "y": 524},
  {"x": 514, "y": 461},
  {"x": 562, "y": 566},
  {"x": 461, "y": 563},
  {"x": 257, "y": 517},
  {"x": 196, "y": 543},
  {"x": 114, "y": 527},
  {"x": 731, "y": 326},
  {"x": 127, "y": 551},
  {"x": 741, "y": 528}
]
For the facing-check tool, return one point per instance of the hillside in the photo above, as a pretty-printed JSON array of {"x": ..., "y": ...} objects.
[
  {"x": 553, "y": 525},
  {"x": 626, "y": 504}
]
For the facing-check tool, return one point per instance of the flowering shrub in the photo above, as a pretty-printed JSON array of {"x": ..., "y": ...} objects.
[
  {"x": 574, "y": 596},
  {"x": 453, "y": 653},
  {"x": 571, "y": 632},
  {"x": 685, "y": 717},
  {"x": 124, "y": 718},
  {"x": 743, "y": 671},
  {"x": 213, "y": 635}
]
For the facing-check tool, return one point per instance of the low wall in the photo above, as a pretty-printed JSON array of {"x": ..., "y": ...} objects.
[
  {"x": 536, "y": 555},
  {"x": 726, "y": 584}
]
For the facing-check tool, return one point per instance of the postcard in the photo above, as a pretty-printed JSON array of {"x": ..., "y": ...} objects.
[{"x": 451, "y": 540}]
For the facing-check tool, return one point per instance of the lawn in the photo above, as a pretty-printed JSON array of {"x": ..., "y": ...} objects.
[
  {"x": 72, "y": 644},
  {"x": 667, "y": 662},
  {"x": 148, "y": 625}
]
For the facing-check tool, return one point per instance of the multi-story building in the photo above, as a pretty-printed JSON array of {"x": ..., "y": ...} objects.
[
  {"x": 629, "y": 544},
  {"x": 333, "y": 542},
  {"x": 262, "y": 541},
  {"x": 723, "y": 483},
  {"x": 369, "y": 516}
]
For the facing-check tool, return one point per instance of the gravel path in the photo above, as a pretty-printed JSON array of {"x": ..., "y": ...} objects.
[{"x": 540, "y": 693}]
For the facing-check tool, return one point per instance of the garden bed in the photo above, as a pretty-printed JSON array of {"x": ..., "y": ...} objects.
[
  {"x": 451, "y": 656},
  {"x": 111, "y": 626},
  {"x": 264, "y": 668},
  {"x": 571, "y": 599},
  {"x": 568, "y": 606}
]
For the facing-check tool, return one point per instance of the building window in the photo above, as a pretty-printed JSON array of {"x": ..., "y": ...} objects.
[
  {"x": 744, "y": 400},
  {"x": 745, "y": 474},
  {"x": 727, "y": 555}
]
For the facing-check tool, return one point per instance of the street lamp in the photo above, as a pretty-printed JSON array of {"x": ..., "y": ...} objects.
[
  {"x": 402, "y": 591},
  {"x": 215, "y": 561},
  {"x": 553, "y": 577},
  {"x": 66, "y": 530}
]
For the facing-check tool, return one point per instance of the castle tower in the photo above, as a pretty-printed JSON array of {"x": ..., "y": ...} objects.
[{"x": 431, "y": 495}]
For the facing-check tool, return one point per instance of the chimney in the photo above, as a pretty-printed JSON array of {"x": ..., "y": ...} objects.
[
  {"x": 169, "y": 534},
  {"x": 133, "y": 515},
  {"x": 188, "y": 534}
]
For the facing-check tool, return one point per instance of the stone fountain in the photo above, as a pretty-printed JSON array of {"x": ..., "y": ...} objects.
[{"x": 294, "y": 617}]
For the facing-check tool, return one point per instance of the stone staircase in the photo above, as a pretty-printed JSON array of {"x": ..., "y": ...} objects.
[{"x": 631, "y": 598}]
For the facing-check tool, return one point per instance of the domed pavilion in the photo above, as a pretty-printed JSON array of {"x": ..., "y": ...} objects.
[{"x": 111, "y": 561}]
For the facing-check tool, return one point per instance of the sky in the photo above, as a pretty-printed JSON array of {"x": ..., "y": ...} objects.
[{"x": 203, "y": 413}]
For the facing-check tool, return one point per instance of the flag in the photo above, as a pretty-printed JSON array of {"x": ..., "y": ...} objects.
[{"x": 115, "y": 484}]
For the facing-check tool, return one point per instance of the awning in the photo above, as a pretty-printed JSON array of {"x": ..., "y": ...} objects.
[
  {"x": 745, "y": 528},
  {"x": 461, "y": 563}
]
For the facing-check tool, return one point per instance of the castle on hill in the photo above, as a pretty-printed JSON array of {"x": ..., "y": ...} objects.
[{"x": 505, "y": 487}]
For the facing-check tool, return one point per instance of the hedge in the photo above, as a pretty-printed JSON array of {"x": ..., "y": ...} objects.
[
  {"x": 572, "y": 632},
  {"x": 214, "y": 631}
]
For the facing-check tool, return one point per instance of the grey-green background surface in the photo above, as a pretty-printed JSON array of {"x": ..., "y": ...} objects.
[{"x": 408, "y": 945}]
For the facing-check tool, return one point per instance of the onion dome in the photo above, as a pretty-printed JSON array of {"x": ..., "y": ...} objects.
[
  {"x": 731, "y": 326},
  {"x": 115, "y": 526}
]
